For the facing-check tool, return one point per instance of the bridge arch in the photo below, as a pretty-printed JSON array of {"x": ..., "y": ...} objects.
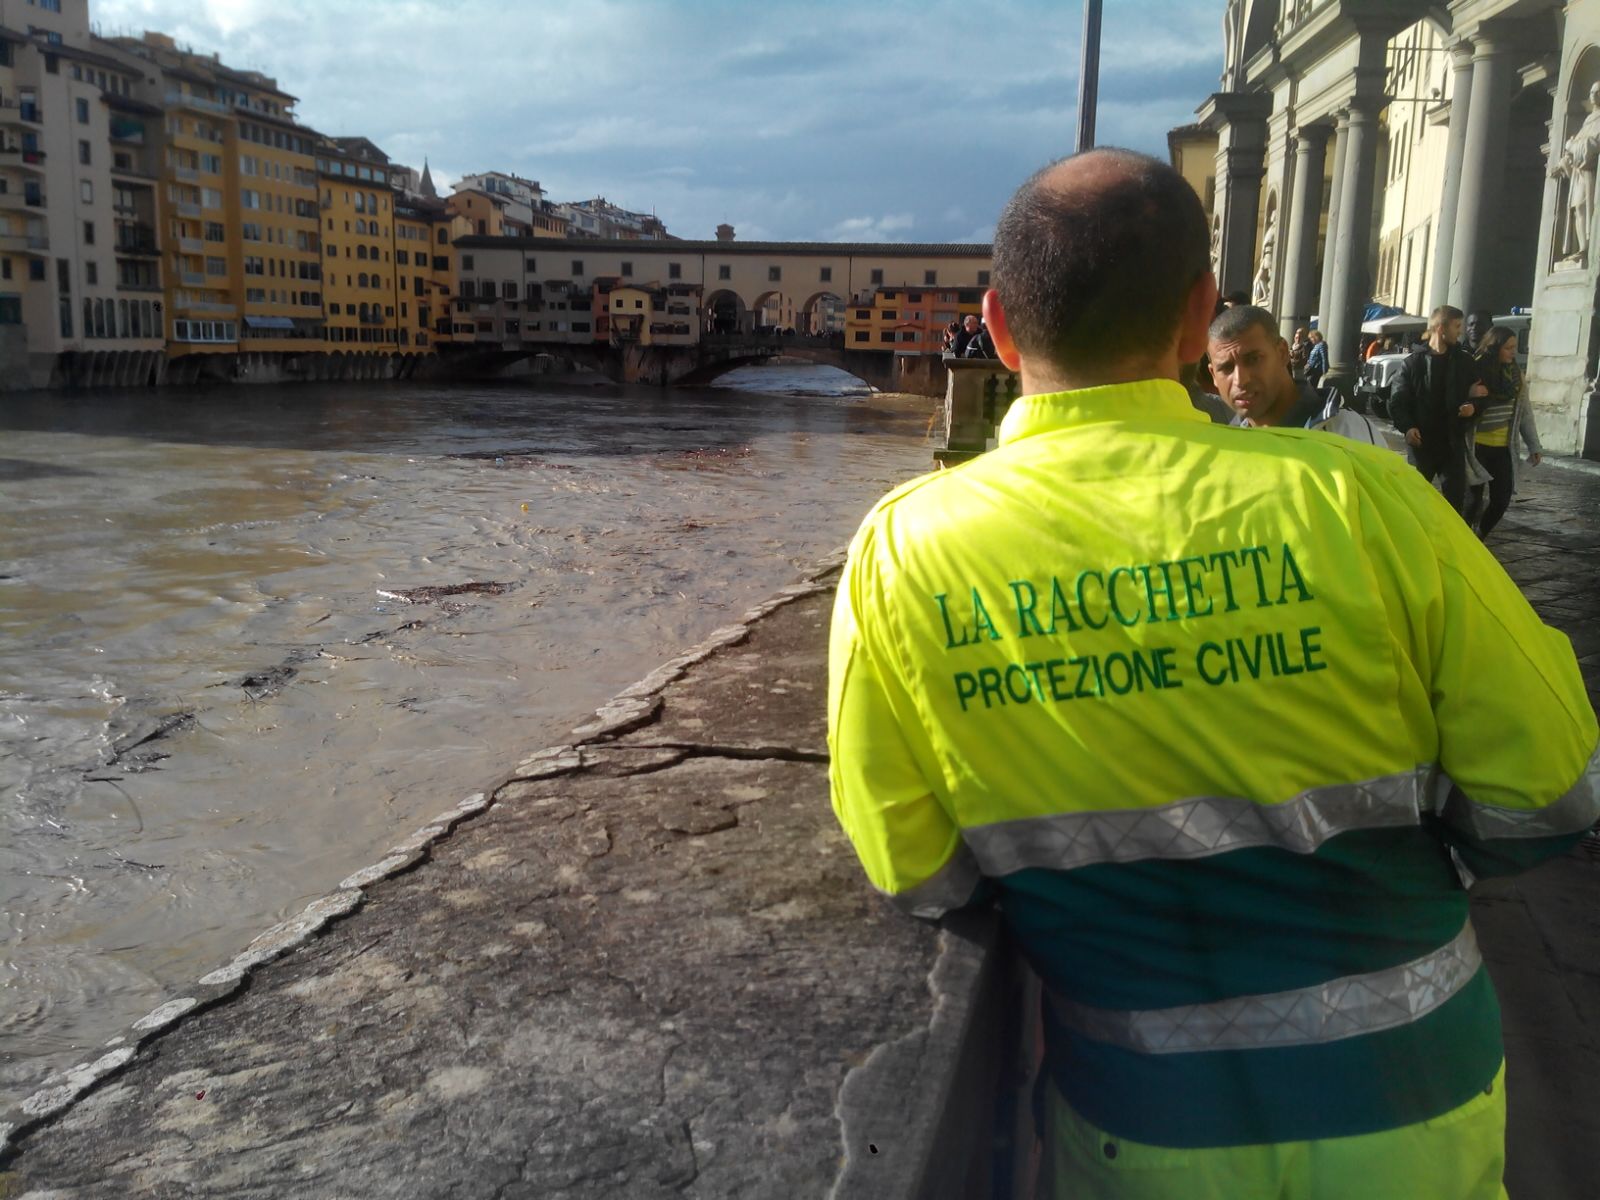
[
  {"x": 725, "y": 312},
  {"x": 813, "y": 316},
  {"x": 773, "y": 309}
]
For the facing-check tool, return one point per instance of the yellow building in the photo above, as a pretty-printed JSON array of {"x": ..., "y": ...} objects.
[
  {"x": 237, "y": 209},
  {"x": 909, "y": 318},
  {"x": 425, "y": 278},
  {"x": 361, "y": 288}
]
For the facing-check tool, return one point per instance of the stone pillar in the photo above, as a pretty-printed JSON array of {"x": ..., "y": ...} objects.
[
  {"x": 1240, "y": 119},
  {"x": 1341, "y": 142},
  {"x": 1444, "y": 236},
  {"x": 1352, "y": 270},
  {"x": 1300, "y": 246},
  {"x": 1482, "y": 183}
]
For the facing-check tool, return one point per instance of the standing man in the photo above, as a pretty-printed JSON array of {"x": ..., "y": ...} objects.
[
  {"x": 1479, "y": 322},
  {"x": 1433, "y": 402},
  {"x": 1250, "y": 364},
  {"x": 1163, "y": 688},
  {"x": 970, "y": 327}
]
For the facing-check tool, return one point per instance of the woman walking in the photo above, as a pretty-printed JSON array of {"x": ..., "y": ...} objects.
[{"x": 1504, "y": 416}]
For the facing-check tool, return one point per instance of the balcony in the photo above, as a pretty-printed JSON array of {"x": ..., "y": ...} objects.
[
  {"x": 192, "y": 211},
  {"x": 137, "y": 240},
  {"x": 24, "y": 243},
  {"x": 187, "y": 173},
  {"x": 192, "y": 278},
  {"x": 191, "y": 245},
  {"x": 206, "y": 306},
  {"x": 197, "y": 103}
]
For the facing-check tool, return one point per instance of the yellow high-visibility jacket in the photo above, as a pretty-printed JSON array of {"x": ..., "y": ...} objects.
[{"x": 1223, "y": 717}]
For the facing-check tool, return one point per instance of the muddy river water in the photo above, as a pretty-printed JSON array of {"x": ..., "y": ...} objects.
[{"x": 221, "y": 692}]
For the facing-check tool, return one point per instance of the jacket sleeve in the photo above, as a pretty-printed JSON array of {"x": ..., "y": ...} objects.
[
  {"x": 1527, "y": 427},
  {"x": 1403, "y": 399},
  {"x": 880, "y": 760},
  {"x": 1518, "y": 780}
]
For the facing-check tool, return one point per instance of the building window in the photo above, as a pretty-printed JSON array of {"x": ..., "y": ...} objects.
[
  {"x": 877, "y": 276},
  {"x": 86, "y": 191},
  {"x": 577, "y": 267},
  {"x": 674, "y": 270},
  {"x": 82, "y": 106},
  {"x": 774, "y": 274},
  {"x": 466, "y": 262},
  {"x": 530, "y": 265},
  {"x": 930, "y": 278},
  {"x": 826, "y": 275},
  {"x": 724, "y": 272},
  {"x": 861, "y": 335},
  {"x": 91, "y": 274},
  {"x": 216, "y": 266},
  {"x": 983, "y": 279},
  {"x": 88, "y": 233},
  {"x": 627, "y": 270},
  {"x": 83, "y": 151},
  {"x": 886, "y": 336}
]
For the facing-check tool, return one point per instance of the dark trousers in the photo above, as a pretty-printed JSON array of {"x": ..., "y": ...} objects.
[
  {"x": 1450, "y": 464},
  {"x": 1484, "y": 513}
]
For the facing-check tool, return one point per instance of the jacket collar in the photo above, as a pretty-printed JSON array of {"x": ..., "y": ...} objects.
[{"x": 1146, "y": 400}]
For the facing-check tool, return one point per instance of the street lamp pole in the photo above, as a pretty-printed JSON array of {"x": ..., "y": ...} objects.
[{"x": 1089, "y": 75}]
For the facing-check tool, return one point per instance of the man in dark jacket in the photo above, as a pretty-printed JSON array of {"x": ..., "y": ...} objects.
[{"x": 1434, "y": 400}]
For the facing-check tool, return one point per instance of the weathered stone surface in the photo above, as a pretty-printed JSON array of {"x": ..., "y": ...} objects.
[{"x": 647, "y": 976}]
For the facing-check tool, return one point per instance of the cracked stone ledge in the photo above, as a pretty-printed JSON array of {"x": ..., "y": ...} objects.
[{"x": 632, "y": 707}]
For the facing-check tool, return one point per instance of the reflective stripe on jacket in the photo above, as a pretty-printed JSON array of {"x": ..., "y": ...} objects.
[{"x": 1219, "y": 713}]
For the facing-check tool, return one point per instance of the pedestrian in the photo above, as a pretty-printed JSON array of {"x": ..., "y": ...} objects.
[
  {"x": 1316, "y": 358},
  {"x": 1506, "y": 416},
  {"x": 981, "y": 344},
  {"x": 1250, "y": 364},
  {"x": 950, "y": 332},
  {"x": 1433, "y": 402},
  {"x": 1213, "y": 715},
  {"x": 1479, "y": 322},
  {"x": 1299, "y": 351},
  {"x": 970, "y": 326}
]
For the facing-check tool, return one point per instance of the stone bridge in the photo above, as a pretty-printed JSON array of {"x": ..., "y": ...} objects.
[{"x": 714, "y": 355}]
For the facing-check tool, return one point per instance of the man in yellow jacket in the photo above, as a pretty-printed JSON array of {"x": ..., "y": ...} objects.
[{"x": 1224, "y": 719}]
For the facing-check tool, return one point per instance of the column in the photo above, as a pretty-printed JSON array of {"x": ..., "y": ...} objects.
[
  {"x": 1352, "y": 272},
  {"x": 1482, "y": 184},
  {"x": 1341, "y": 142},
  {"x": 1450, "y": 195},
  {"x": 1240, "y": 119},
  {"x": 1300, "y": 246},
  {"x": 1245, "y": 166}
]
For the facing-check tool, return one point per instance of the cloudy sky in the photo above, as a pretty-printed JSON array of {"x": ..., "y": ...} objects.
[{"x": 826, "y": 120}]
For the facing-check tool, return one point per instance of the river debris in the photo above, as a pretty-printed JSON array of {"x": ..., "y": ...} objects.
[
  {"x": 135, "y": 751},
  {"x": 434, "y": 594}
]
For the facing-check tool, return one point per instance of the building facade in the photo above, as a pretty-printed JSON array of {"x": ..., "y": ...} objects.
[
  {"x": 1416, "y": 154},
  {"x": 79, "y": 255}
]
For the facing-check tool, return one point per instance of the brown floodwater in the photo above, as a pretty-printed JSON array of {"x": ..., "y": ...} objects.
[{"x": 217, "y": 699}]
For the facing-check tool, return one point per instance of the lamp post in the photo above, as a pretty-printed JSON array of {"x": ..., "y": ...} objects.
[{"x": 1089, "y": 75}]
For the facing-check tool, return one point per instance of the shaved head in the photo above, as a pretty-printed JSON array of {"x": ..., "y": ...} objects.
[{"x": 1095, "y": 258}]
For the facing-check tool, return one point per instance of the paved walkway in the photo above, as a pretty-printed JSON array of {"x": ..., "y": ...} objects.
[{"x": 652, "y": 968}]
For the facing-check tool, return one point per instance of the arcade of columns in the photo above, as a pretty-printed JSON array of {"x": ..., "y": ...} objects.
[{"x": 1302, "y": 125}]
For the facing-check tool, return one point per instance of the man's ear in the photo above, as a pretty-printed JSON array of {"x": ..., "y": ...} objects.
[
  {"x": 1194, "y": 331},
  {"x": 994, "y": 316}
]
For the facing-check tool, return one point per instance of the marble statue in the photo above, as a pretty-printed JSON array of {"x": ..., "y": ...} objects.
[
  {"x": 1261, "y": 289},
  {"x": 1216, "y": 245},
  {"x": 1579, "y": 156}
]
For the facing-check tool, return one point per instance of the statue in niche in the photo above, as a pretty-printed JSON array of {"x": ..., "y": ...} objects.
[
  {"x": 1576, "y": 164},
  {"x": 1216, "y": 245},
  {"x": 1261, "y": 289}
]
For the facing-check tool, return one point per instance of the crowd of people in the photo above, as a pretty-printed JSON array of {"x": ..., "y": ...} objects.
[
  {"x": 968, "y": 338},
  {"x": 1459, "y": 399}
]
